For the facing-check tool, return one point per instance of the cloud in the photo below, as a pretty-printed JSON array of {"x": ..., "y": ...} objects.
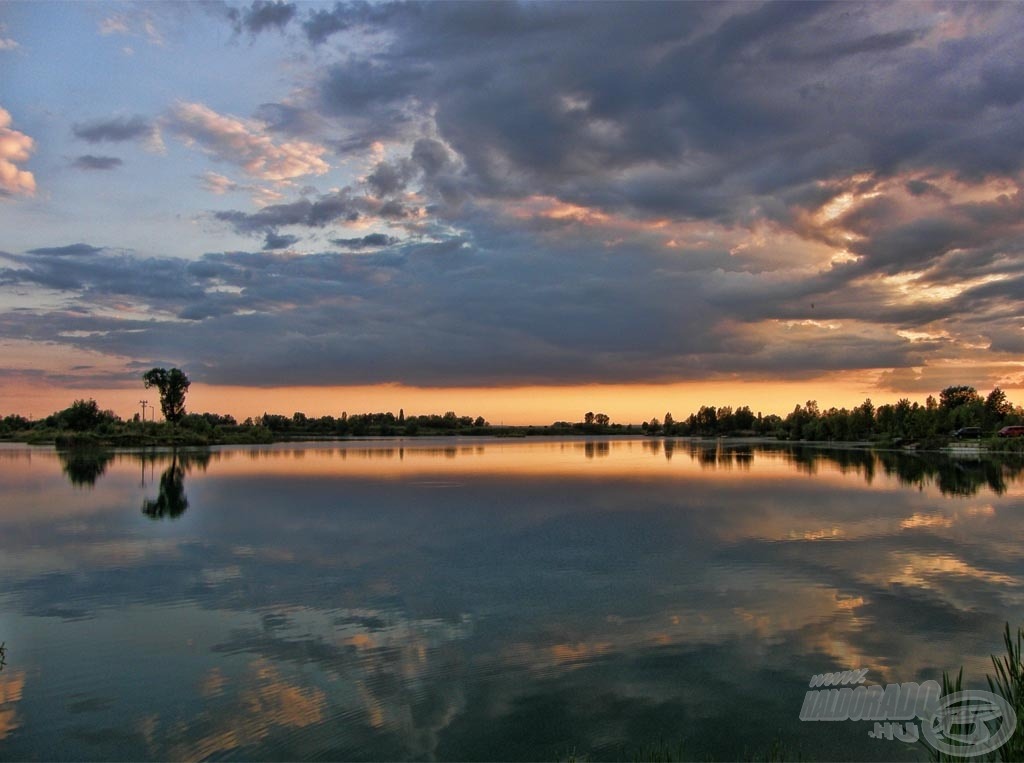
[
  {"x": 327, "y": 209},
  {"x": 120, "y": 129},
  {"x": 431, "y": 155},
  {"x": 70, "y": 250},
  {"x": 263, "y": 14},
  {"x": 274, "y": 241},
  {"x": 137, "y": 21},
  {"x": 389, "y": 178},
  {"x": 370, "y": 240},
  {"x": 218, "y": 184},
  {"x": 245, "y": 144},
  {"x": 291, "y": 120},
  {"x": 322, "y": 23},
  {"x": 15, "y": 148},
  {"x": 701, "y": 112},
  {"x": 6, "y": 43},
  {"x": 91, "y": 162},
  {"x": 115, "y": 24},
  {"x": 600, "y": 192},
  {"x": 496, "y": 315}
]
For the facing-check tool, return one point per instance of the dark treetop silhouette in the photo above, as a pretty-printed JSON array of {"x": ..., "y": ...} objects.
[{"x": 172, "y": 385}]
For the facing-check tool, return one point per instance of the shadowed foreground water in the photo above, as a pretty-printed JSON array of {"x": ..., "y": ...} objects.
[{"x": 486, "y": 600}]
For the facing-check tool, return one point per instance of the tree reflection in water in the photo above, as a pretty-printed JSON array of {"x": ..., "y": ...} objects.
[
  {"x": 171, "y": 501},
  {"x": 83, "y": 466},
  {"x": 963, "y": 474}
]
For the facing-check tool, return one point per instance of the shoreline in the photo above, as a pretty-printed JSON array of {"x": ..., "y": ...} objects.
[{"x": 136, "y": 443}]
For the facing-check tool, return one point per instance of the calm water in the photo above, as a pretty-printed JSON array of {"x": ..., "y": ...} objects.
[{"x": 491, "y": 600}]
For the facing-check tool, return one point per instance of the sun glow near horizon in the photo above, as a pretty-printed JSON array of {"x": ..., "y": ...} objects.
[{"x": 536, "y": 405}]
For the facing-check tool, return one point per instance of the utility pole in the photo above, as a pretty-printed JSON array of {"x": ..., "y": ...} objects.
[{"x": 144, "y": 403}]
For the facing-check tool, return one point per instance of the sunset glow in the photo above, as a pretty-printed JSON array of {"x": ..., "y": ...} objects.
[{"x": 321, "y": 207}]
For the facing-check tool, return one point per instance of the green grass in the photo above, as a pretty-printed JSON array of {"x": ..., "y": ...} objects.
[{"x": 1008, "y": 683}]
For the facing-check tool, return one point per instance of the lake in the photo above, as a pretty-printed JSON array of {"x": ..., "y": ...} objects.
[{"x": 487, "y": 599}]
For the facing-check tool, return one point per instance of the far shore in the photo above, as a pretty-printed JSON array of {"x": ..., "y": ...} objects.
[{"x": 495, "y": 434}]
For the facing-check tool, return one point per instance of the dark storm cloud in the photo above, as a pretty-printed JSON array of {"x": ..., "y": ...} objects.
[
  {"x": 82, "y": 268},
  {"x": 336, "y": 208},
  {"x": 261, "y": 15},
  {"x": 91, "y": 162},
  {"x": 730, "y": 101},
  {"x": 70, "y": 250},
  {"x": 431, "y": 156},
  {"x": 290, "y": 120},
  {"x": 275, "y": 241},
  {"x": 370, "y": 240},
  {"x": 115, "y": 130},
  {"x": 438, "y": 313},
  {"x": 314, "y": 214},
  {"x": 390, "y": 177},
  {"x": 322, "y": 23}
]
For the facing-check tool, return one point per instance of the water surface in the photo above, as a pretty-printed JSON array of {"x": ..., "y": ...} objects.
[{"x": 486, "y": 600}]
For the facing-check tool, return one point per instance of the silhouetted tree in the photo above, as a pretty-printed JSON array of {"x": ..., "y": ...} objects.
[
  {"x": 81, "y": 416},
  {"x": 744, "y": 418},
  {"x": 706, "y": 420},
  {"x": 956, "y": 396},
  {"x": 14, "y": 423},
  {"x": 997, "y": 407},
  {"x": 172, "y": 385}
]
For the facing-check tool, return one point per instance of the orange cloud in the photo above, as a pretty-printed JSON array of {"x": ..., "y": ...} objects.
[
  {"x": 15, "y": 148},
  {"x": 244, "y": 143}
]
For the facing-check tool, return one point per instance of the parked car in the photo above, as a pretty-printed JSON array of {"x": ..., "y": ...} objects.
[
  {"x": 1015, "y": 431},
  {"x": 968, "y": 433}
]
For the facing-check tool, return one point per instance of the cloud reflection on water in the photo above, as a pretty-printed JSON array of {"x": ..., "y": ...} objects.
[{"x": 406, "y": 599}]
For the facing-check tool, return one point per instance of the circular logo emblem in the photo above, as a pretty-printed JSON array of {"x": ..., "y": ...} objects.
[{"x": 970, "y": 723}]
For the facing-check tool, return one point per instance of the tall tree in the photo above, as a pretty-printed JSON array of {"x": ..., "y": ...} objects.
[
  {"x": 172, "y": 385},
  {"x": 955, "y": 396},
  {"x": 997, "y": 406}
]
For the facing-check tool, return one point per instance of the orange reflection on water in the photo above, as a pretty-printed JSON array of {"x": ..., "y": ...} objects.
[
  {"x": 588, "y": 459},
  {"x": 11, "y": 688},
  {"x": 269, "y": 702}
]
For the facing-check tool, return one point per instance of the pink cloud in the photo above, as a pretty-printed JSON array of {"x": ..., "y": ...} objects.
[
  {"x": 15, "y": 148},
  {"x": 245, "y": 143}
]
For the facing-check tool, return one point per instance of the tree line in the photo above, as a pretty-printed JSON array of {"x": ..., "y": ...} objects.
[
  {"x": 955, "y": 408},
  {"x": 901, "y": 422}
]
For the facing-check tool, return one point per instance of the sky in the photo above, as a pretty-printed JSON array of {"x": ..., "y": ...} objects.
[{"x": 517, "y": 210}]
